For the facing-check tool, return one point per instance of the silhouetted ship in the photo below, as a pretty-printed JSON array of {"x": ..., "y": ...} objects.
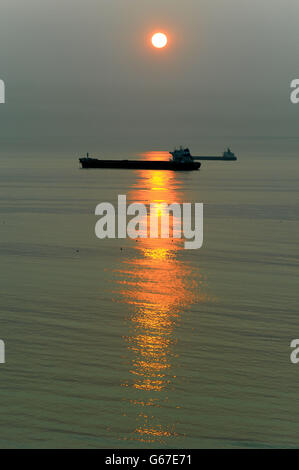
[
  {"x": 181, "y": 160},
  {"x": 228, "y": 155}
]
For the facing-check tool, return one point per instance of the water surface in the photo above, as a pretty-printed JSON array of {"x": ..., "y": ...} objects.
[{"x": 124, "y": 343}]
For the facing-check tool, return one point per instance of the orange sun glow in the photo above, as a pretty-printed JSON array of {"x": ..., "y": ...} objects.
[{"x": 159, "y": 40}]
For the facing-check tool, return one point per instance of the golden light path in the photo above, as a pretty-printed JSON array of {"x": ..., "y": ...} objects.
[
  {"x": 158, "y": 286},
  {"x": 159, "y": 40}
]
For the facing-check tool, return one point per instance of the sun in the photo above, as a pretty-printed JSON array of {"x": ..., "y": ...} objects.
[{"x": 159, "y": 40}]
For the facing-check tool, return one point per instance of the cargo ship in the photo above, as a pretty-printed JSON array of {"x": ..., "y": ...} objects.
[
  {"x": 179, "y": 161},
  {"x": 227, "y": 156}
]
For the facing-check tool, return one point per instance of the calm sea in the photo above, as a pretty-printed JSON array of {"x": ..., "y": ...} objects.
[{"x": 128, "y": 344}]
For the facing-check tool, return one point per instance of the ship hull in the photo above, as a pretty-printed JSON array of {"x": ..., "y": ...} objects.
[{"x": 139, "y": 164}]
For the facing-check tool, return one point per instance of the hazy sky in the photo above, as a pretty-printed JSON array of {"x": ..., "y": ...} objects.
[{"x": 84, "y": 70}]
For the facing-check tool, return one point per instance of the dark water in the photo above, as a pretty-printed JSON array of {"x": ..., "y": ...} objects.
[{"x": 118, "y": 343}]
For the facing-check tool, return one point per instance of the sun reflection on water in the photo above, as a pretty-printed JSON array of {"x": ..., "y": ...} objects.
[{"x": 159, "y": 286}]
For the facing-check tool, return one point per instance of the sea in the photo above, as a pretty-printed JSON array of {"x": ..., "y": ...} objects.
[{"x": 141, "y": 343}]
